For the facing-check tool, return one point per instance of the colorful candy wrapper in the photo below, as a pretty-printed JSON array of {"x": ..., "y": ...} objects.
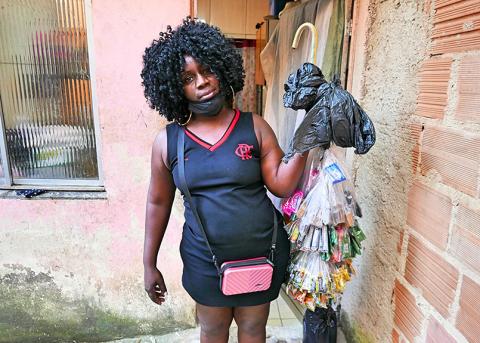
[{"x": 290, "y": 206}]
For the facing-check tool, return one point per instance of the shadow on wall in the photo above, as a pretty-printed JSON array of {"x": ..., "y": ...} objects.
[{"x": 33, "y": 308}]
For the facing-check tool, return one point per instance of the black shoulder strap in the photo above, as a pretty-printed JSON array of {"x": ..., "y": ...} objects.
[{"x": 183, "y": 183}]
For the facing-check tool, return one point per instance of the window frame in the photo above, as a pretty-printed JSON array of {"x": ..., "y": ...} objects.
[{"x": 7, "y": 182}]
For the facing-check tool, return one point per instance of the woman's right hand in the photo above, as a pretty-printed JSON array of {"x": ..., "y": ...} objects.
[{"x": 155, "y": 285}]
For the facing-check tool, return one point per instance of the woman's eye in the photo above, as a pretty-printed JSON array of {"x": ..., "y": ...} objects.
[{"x": 187, "y": 79}]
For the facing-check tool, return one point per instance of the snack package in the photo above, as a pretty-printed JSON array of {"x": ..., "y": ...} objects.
[
  {"x": 327, "y": 196},
  {"x": 323, "y": 232}
]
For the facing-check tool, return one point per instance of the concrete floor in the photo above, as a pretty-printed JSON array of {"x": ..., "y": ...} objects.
[{"x": 282, "y": 327}]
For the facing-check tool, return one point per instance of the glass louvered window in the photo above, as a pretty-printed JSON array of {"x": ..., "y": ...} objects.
[{"x": 47, "y": 125}]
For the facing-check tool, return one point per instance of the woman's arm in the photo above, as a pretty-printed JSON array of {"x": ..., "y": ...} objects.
[
  {"x": 159, "y": 205},
  {"x": 280, "y": 178}
]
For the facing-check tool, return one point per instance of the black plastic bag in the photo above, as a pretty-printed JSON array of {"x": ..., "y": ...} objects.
[
  {"x": 314, "y": 131},
  {"x": 351, "y": 126},
  {"x": 342, "y": 116},
  {"x": 332, "y": 114},
  {"x": 364, "y": 131},
  {"x": 320, "y": 326},
  {"x": 301, "y": 87}
]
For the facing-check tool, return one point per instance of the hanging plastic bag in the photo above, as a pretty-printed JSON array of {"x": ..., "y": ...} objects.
[
  {"x": 331, "y": 201},
  {"x": 351, "y": 126},
  {"x": 301, "y": 87},
  {"x": 364, "y": 130},
  {"x": 314, "y": 130},
  {"x": 323, "y": 231},
  {"x": 332, "y": 114}
]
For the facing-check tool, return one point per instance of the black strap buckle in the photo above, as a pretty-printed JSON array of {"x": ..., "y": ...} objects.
[{"x": 271, "y": 256}]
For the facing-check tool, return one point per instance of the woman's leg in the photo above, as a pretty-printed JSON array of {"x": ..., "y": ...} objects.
[
  {"x": 251, "y": 321},
  {"x": 214, "y": 323}
]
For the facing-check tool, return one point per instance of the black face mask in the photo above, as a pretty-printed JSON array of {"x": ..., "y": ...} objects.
[{"x": 208, "y": 108}]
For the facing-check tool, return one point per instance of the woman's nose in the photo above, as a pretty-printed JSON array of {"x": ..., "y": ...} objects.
[{"x": 202, "y": 80}]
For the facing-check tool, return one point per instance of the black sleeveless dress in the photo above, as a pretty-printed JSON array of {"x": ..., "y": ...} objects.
[{"x": 226, "y": 185}]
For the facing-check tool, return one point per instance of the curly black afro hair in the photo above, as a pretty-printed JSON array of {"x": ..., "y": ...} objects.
[{"x": 164, "y": 60}]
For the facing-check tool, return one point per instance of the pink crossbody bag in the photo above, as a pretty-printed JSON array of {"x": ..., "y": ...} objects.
[{"x": 239, "y": 276}]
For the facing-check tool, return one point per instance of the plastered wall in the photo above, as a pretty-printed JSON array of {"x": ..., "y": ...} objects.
[
  {"x": 415, "y": 71},
  {"x": 72, "y": 269}
]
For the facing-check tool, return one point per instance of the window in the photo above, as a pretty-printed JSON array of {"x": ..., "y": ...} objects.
[{"x": 48, "y": 131}]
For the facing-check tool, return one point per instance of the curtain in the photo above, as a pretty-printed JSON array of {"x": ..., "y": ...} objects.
[
  {"x": 279, "y": 59},
  {"x": 245, "y": 100}
]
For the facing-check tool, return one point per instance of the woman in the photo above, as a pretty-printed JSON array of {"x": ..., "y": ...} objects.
[{"x": 190, "y": 75}]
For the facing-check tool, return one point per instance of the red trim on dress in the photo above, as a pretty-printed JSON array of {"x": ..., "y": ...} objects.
[
  {"x": 228, "y": 132},
  {"x": 222, "y": 140},
  {"x": 196, "y": 139}
]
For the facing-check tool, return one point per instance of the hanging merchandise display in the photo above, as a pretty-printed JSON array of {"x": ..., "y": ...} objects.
[
  {"x": 325, "y": 236},
  {"x": 321, "y": 216}
]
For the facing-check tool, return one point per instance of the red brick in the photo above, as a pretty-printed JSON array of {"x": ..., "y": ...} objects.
[
  {"x": 457, "y": 43},
  {"x": 465, "y": 244},
  {"x": 429, "y": 213},
  {"x": 428, "y": 271},
  {"x": 395, "y": 336},
  {"x": 436, "y": 333},
  {"x": 443, "y": 3},
  {"x": 455, "y": 10},
  {"x": 469, "y": 89},
  {"x": 416, "y": 130},
  {"x": 456, "y": 26},
  {"x": 454, "y": 155},
  {"x": 468, "y": 319},
  {"x": 433, "y": 86},
  {"x": 415, "y": 158},
  {"x": 408, "y": 316},
  {"x": 400, "y": 242}
]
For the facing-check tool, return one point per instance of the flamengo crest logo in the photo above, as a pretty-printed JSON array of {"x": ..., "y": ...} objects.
[{"x": 244, "y": 151}]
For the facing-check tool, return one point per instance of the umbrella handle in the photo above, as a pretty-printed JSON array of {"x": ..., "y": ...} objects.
[{"x": 314, "y": 38}]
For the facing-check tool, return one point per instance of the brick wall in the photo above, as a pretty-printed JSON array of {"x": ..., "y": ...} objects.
[{"x": 437, "y": 292}]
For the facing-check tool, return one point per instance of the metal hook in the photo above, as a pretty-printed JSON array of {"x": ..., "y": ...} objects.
[{"x": 314, "y": 39}]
